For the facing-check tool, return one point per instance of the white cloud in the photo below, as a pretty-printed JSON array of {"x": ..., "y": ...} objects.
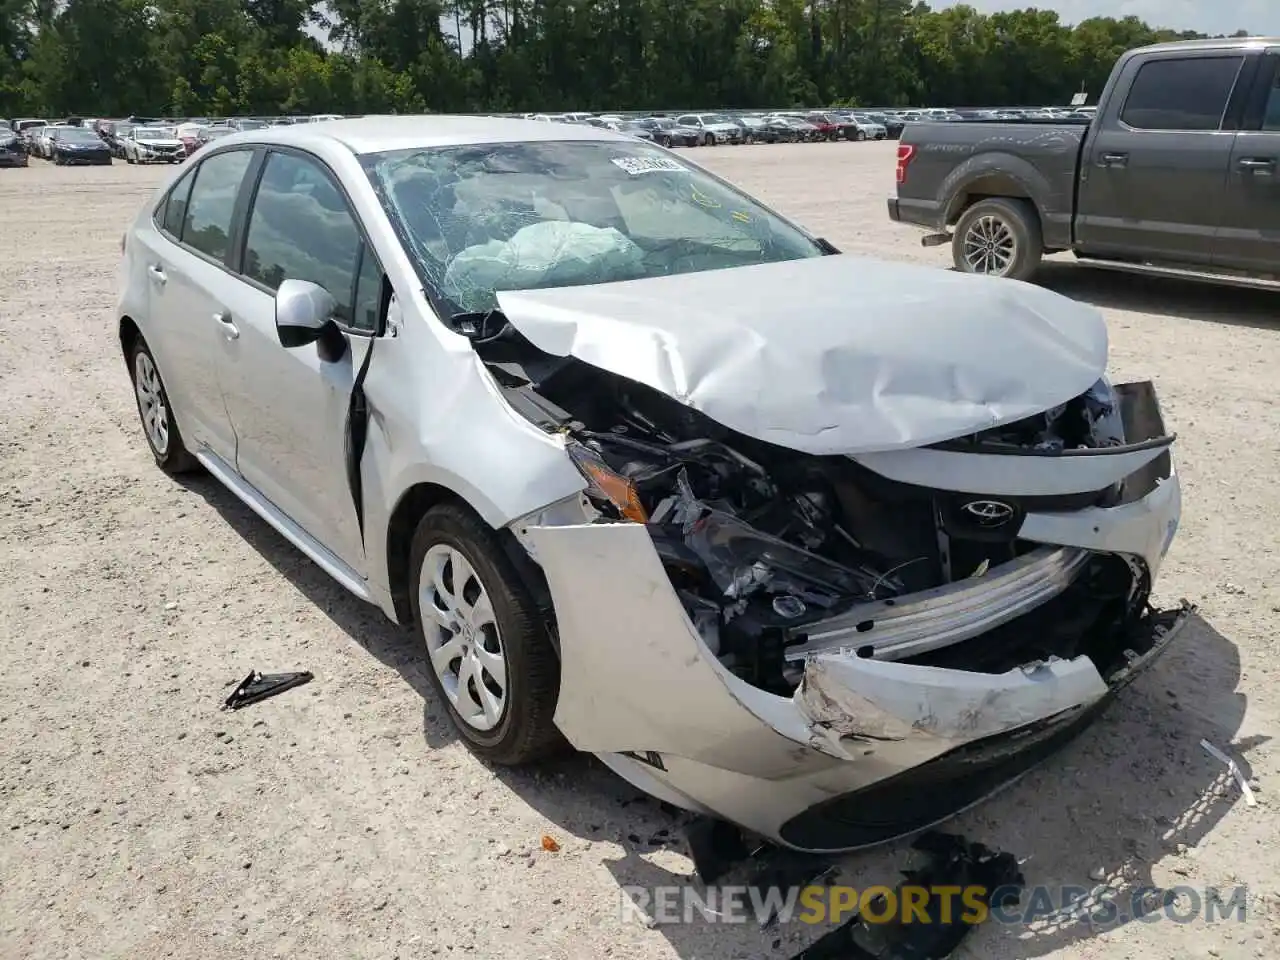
[{"x": 1260, "y": 17}]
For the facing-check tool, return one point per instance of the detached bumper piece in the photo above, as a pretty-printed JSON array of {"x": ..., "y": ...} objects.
[
  {"x": 956, "y": 780},
  {"x": 954, "y": 863}
]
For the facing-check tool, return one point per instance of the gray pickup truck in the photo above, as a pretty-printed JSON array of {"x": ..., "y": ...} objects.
[{"x": 1178, "y": 173}]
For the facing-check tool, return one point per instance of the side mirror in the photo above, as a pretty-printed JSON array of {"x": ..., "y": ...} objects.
[
  {"x": 304, "y": 314},
  {"x": 303, "y": 310}
]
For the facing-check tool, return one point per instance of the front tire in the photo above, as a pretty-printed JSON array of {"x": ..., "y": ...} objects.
[
  {"x": 156, "y": 414},
  {"x": 490, "y": 658},
  {"x": 999, "y": 237}
]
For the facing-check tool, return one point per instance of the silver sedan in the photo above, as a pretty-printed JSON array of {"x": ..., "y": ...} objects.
[{"x": 826, "y": 547}]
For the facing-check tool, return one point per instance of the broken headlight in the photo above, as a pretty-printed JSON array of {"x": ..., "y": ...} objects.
[{"x": 605, "y": 485}]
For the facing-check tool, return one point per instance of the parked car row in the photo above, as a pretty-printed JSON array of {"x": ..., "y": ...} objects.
[
  {"x": 62, "y": 143},
  {"x": 712, "y": 128},
  {"x": 136, "y": 140}
]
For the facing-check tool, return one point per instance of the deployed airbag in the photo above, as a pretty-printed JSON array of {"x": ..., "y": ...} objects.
[{"x": 550, "y": 253}]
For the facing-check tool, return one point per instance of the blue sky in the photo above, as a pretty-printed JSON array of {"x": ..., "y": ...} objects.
[{"x": 1207, "y": 16}]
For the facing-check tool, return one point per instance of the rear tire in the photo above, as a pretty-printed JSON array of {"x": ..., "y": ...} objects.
[
  {"x": 514, "y": 727},
  {"x": 156, "y": 414},
  {"x": 999, "y": 237}
]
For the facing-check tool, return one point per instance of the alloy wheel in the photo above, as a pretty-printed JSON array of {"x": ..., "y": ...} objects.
[
  {"x": 463, "y": 640},
  {"x": 989, "y": 246},
  {"x": 151, "y": 402}
]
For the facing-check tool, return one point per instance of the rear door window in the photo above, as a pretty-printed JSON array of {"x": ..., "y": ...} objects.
[
  {"x": 206, "y": 223},
  {"x": 1271, "y": 117},
  {"x": 1184, "y": 94}
]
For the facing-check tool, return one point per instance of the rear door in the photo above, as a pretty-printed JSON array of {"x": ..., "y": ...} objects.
[
  {"x": 186, "y": 270},
  {"x": 1154, "y": 170},
  {"x": 1249, "y": 238},
  {"x": 289, "y": 407}
]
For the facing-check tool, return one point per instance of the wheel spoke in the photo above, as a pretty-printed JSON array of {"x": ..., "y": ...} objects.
[
  {"x": 467, "y": 704},
  {"x": 480, "y": 613},
  {"x": 444, "y": 619},
  {"x": 490, "y": 704},
  {"x": 494, "y": 664},
  {"x": 462, "y": 577},
  {"x": 444, "y": 655},
  {"x": 439, "y": 587}
]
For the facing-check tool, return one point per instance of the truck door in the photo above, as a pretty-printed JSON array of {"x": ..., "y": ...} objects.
[
  {"x": 1249, "y": 237},
  {"x": 1153, "y": 173}
]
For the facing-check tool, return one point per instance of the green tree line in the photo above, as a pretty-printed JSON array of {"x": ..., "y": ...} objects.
[{"x": 270, "y": 57}]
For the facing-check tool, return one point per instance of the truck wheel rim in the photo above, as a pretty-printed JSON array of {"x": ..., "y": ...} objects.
[
  {"x": 462, "y": 636},
  {"x": 989, "y": 246}
]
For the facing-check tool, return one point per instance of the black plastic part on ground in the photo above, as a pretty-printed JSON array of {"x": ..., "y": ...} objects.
[
  {"x": 714, "y": 847},
  {"x": 259, "y": 686},
  {"x": 954, "y": 862}
]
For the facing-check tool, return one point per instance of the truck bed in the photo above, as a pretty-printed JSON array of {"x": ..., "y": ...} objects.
[{"x": 998, "y": 158}]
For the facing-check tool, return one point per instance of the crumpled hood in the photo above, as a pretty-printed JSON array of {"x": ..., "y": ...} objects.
[{"x": 830, "y": 355}]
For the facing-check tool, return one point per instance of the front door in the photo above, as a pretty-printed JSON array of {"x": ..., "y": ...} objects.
[
  {"x": 289, "y": 407},
  {"x": 1153, "y": 173},
  {"x": 1249, "y": 238}
]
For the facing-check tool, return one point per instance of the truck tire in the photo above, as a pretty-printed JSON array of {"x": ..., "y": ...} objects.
[{"x": 999, "y": 237}]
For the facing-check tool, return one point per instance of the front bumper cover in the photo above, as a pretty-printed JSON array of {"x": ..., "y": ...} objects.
[{"x": 641, "y": 689}]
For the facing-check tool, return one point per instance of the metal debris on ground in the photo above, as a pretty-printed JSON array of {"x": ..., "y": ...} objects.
[
  {"x": 259, "y": 686},
  {"x": 954, "y": 862},
  {"x": 1233, "y": 768}
]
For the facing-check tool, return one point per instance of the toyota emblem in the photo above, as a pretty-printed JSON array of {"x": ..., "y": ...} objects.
[{"x": 989, "y": 513}]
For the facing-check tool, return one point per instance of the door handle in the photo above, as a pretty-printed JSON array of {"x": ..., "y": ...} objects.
[
  {"x": 157, "y": 274},
  {"x": 1263, "y": 166},
  {"x": 1114, "y": 160},
  {"x": 229, "y": 328}
]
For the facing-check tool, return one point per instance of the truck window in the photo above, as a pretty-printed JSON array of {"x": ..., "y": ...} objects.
[
  {"x": 1188, "y": 94},
  {"x": 1271, "y": 119}
]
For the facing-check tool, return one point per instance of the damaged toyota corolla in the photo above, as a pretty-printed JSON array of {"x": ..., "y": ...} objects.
[{"x": 826, "y": 547}]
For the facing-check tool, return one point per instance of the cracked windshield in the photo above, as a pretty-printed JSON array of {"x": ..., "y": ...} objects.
[{"x": 478, "y": 219}]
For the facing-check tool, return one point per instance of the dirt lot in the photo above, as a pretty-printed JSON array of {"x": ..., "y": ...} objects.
[{"x": 343, "y": 819}]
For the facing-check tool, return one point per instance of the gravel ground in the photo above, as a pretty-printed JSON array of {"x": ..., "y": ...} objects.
[{"x": 344, "y": 820}]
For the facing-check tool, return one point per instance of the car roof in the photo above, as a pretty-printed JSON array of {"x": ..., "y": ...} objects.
[
  {"x": 378, "y": 134},
  {"x": 1215, "y": 43}
]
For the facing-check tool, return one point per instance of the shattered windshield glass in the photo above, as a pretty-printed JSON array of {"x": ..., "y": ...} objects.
[{"x": 478, "y": 219}]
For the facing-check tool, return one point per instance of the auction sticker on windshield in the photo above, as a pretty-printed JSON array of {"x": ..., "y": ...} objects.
[{"x": 638, "y": 165}]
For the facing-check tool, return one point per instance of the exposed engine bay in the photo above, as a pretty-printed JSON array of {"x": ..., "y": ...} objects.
[{"x": 760, "y": 541}]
